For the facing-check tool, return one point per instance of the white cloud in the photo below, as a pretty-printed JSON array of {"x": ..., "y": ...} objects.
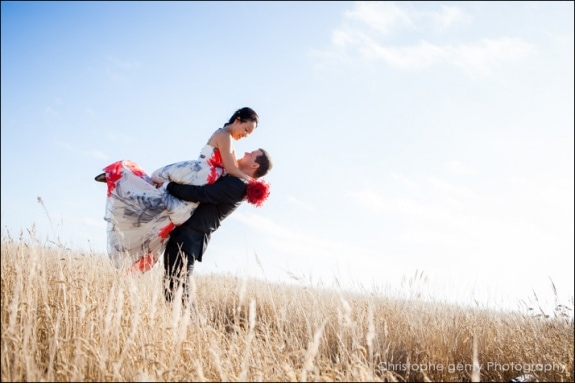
[
  {"x": 406, "y": 183},
  {"x": 368, "y": 38},
  {"x": 118, "y": 69},
  {"x": 299, "y": 203},
  {"x": 387, "y": 18},
  {"x": 296, "y": 246},
  {"x": 473, "y": 59},
  {"x": 262, "y": 224},
  {"x": 457, "y": 168},
  {"x": 415, "y": 57},
  {"x": 449, "y": 16},
  {"x": 382, "y": 17},
  {"x": 368, "y": 199},
  {"x": 450, "y": 188},
  {"x": 518, "y": 222},
  {"x": 563, "y": 43},
  {"x": 480, "y": 57}
]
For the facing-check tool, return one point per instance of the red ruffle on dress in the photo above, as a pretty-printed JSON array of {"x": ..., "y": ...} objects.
[{"x": 140, "y": 216}]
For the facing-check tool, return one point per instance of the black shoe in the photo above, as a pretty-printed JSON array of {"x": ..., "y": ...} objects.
[{"x": 101, "y": 177}]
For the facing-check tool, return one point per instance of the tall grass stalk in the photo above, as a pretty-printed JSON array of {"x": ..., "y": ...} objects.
[{"x": 70, "y": 316}]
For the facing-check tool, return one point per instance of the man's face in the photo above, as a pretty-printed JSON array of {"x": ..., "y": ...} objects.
[{"x": 249, "y": 159}]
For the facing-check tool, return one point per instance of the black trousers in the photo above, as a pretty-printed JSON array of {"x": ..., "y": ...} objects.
[{"x": 178, "y": 268}]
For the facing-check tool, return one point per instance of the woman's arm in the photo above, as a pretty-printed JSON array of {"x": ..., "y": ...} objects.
[{"x": 223, "y": 141}]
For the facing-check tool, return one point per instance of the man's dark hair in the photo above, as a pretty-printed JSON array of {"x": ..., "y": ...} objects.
[{"x": 265, "y": 164}]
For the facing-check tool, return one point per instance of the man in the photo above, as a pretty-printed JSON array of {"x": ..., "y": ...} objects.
[{"x": 189, "y": 241}]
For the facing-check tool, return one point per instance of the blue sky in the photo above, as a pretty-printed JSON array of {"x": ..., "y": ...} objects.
[{"x": 407, "y": 137}]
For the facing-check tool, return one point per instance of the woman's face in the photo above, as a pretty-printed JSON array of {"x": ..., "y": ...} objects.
[{"x": 240, "y": 130}]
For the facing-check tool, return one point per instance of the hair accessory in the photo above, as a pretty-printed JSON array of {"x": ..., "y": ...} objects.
[{"x": 257, "y": 192}]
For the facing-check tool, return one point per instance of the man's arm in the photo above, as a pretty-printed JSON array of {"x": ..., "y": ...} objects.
[{"x": 227, "y": 189}]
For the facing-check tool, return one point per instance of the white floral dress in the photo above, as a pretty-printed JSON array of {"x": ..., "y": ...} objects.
[{"x": 140, "y": 216}]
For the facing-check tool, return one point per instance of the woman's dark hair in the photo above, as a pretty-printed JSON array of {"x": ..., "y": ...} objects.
[
  {"x": 265, "y": 162},
  {"x": 244, "y": 114}
]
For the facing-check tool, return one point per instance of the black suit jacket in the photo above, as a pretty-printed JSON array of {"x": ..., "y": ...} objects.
[{"x": 217, "y": 201}]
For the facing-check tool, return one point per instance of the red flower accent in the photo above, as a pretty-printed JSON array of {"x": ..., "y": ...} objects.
[
  {"x": 163, "y": 234},
  {"x": 215, "y": 161},
  {"x": 143, "y": 264},
  {"x": 114, "y": 172},
  {"x": 135, "y": 168},
  {"x": 257, "y": 192}
]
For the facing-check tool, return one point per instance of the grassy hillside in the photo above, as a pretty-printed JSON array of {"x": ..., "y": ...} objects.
[{"x": 70, "y": 316}]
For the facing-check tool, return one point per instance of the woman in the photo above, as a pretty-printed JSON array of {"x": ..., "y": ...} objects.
[{"x": 141, "y": 213}]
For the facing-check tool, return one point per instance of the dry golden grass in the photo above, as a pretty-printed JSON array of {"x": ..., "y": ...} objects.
[{"x": 70, "y": 316}]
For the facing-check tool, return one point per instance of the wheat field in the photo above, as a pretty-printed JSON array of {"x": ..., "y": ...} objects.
[{"x": 70, "y": 316}]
